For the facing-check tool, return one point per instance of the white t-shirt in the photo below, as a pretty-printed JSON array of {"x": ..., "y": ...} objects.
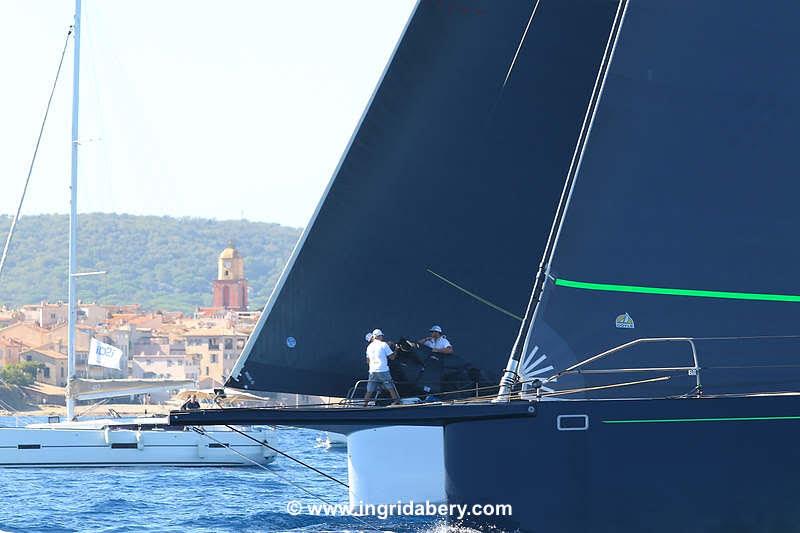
[
  {"x": 437, "y": 344},
  {"x": 377, "y": 353}
]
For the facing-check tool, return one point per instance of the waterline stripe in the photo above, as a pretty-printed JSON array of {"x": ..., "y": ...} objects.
[
  {"x": 673, "y": 420},
  {"x": 678, "y": 292}
]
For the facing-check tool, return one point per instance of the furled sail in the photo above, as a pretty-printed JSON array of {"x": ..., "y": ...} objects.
[
  {"x": 440, "y": 207},
  {"x": 95, "y": 389},
  {"x": 682, "y": 217}
]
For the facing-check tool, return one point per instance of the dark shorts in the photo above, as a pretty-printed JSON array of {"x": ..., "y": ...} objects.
[{"x": 384, "y": 379}]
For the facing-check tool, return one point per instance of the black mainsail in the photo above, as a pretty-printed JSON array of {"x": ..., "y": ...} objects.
[{"x": 439, "y": 209}]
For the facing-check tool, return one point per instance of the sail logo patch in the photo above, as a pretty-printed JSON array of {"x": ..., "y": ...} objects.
[{"x": 625, "y": 321}]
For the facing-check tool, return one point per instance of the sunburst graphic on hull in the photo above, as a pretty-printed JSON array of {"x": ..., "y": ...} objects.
[{"x": 530, "y": 368}]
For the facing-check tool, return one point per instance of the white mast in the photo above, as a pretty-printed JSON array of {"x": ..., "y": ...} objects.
[{"x": 73, "y": 213}]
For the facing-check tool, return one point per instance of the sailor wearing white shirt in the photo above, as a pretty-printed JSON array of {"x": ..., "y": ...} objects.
[
  {"x": 378, "y": 355},
  {"x": 437, "y": 342}
]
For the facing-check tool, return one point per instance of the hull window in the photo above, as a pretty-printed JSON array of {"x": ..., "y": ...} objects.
[{"x": 572, "y": 422}]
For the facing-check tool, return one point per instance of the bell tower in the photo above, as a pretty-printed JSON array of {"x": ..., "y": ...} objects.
[{"x": 230, "y": 287}]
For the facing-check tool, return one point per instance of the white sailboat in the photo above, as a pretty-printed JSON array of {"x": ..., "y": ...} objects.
[{"x": 147, "y": 441}]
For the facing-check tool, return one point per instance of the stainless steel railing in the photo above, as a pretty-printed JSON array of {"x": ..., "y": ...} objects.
[{"x": 693, "y": 370}]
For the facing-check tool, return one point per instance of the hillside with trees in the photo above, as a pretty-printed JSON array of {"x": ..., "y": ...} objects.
[{"x": 159, "y": 262}]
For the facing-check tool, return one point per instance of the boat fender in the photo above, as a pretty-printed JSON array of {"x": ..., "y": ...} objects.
[{"x": 139, "y": 440}]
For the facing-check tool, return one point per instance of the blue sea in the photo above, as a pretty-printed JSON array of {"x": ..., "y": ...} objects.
[{"x": 190, "y": 499}]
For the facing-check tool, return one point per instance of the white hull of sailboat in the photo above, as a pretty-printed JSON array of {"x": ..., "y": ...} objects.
[{"x": 70, "y": 447}]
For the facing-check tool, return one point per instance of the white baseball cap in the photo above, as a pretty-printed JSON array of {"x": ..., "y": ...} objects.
[
  {"x": 377, "y": 333},
  {"x": 437, "y": 329}
]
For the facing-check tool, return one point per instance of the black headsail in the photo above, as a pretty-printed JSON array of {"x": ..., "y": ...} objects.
[
  {"x": 682, "y": 218},
  {"x": 440, "y": 207}
]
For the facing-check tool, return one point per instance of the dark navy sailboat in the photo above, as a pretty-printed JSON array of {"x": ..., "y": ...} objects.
[
  {"x": 654, "y": 381},
  {"x": 427, "y": 220}
]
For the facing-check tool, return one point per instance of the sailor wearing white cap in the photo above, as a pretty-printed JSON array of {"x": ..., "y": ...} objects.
[
  {"x": 437, "y": 342},
  {"x": 378, "y": 355}
]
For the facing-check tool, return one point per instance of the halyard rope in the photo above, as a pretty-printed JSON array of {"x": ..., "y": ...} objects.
[{"x": 33, "y": 159}]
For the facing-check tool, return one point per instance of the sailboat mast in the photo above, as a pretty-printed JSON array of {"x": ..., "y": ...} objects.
[
  {"x": 521, "y": 343},
  {"x": 73, "y": 213}
]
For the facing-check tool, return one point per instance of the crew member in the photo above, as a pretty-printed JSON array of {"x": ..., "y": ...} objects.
[
  {"x": 191, "y": 404},
  {"x": 378, "y": 355},
  {"x": 437, "y": 342}
]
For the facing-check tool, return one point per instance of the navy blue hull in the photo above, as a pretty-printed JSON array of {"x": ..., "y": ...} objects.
[
  {"x": 721, "y": 465},
  {"x": 681, "y": 465}
]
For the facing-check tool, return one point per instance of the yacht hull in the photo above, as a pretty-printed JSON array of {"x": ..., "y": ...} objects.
[
  {"x": 689, "y": 465},
  {"x": 70, "y": 448},
  {"x": 727, "y": 464}
]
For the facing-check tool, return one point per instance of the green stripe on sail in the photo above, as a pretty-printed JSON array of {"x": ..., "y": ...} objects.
[
  {"x": 675, "y": 420},
  {"x": 678, "y": 292}
]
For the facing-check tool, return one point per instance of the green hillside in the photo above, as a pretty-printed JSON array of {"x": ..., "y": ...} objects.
[{"x": 159, "y": 262}]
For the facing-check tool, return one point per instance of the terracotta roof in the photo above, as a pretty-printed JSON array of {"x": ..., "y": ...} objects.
[
  {"x": 10, "y": 343},
  {"x": 118, "y": 316},
  {"x": 160, "y": 355},
  {"x": 26, "y": 333},
  {"x": 48, "y": 353},
  {"x": 60, "y": 333},
  {"x": 213, "y": 332}
]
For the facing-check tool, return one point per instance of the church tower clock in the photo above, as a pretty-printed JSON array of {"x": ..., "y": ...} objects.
[{"x": 230, "y": 287}]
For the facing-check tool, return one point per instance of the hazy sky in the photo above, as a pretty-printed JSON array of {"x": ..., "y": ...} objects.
[{"x": 204, "y": 108}]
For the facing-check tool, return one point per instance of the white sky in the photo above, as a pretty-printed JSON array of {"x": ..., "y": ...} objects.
[{"x": 206, "y": 108}]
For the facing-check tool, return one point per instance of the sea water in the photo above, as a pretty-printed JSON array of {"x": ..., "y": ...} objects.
[{"x": 191, "y": 499}]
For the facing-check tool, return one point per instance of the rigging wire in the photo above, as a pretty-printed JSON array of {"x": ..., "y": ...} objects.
[
  {"x": 279, "y": 476},
  {"x": 521, "y": 42},
  {"x": 603, "y": 387},
  {"x": 355, "y": 403},
  {"x": 475, "y": 296},
  {"x": 35, "y": 153},
  {"x": 298, "y": 461}
]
